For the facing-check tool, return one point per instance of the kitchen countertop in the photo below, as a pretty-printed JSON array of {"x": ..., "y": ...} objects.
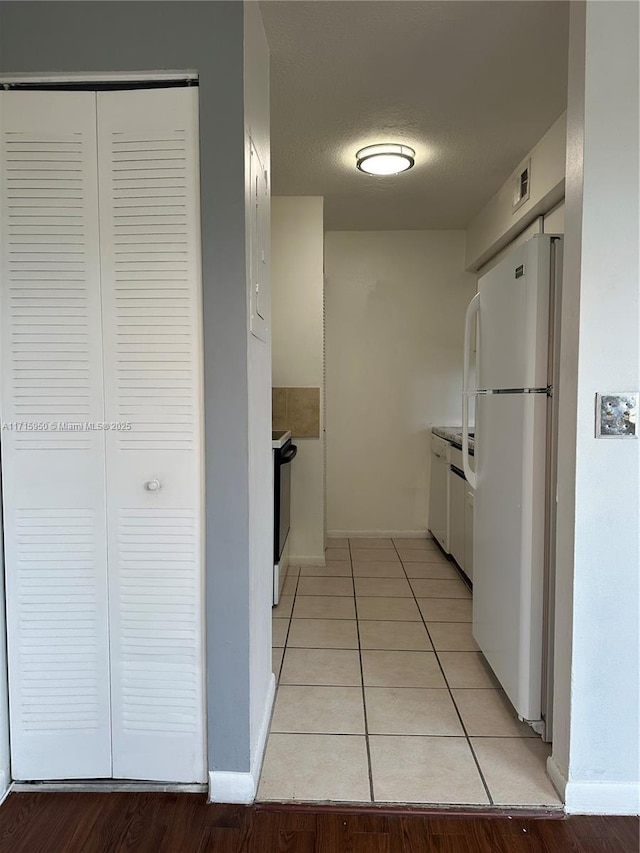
[
  {"x": 279, "y": 437},
  {"x": 452, "y": 434}
]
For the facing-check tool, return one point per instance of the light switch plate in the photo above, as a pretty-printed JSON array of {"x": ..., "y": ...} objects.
[{"x": 617, "y": 415}]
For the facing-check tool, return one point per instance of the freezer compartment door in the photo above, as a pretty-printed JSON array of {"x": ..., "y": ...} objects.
[
  {"x": 509, "y": 537},
  {"x": 513, "y": 325}
]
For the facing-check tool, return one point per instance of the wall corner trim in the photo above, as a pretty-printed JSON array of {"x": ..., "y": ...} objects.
[
  {"x": 6, "y": 786},
  {"x": 557, "y": 777},
  {"x": 226, "y": 786},
  {"x": 603, "y": 798},
  {"x": 263, "y": 734}
]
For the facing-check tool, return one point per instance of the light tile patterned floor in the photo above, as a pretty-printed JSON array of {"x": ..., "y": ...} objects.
[{"x": 383, "y": 695}]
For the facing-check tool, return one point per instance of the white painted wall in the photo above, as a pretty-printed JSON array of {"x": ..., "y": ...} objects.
[
  {"x": 497, "y": 223},
  {"x": 297, "y": 241},
  {"x": 395, "y": 304},
  {"x": 554, "y": 220},
  {"x": 596, "y": 750},
  {"x": 261, "y": 679},
  {"x": 536, "y": 227}
]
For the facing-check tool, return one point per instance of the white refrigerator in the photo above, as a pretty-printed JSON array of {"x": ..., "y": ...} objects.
[{"x": 513, "y": 318}]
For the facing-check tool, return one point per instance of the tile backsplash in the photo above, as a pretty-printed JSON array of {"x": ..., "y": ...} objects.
[{"x": 297, "y": 409}]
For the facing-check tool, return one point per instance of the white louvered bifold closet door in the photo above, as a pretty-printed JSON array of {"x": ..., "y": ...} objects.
[
  {"x": 53, "y": 478},
  {"x": 101, "y": 325},
  {"x": 149, "y": 221}
]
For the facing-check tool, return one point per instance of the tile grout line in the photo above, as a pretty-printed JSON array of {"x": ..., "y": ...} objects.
[
  {"x": 435, "y": 651},
  {"x": 364, "y": 699},
  {"x": 284, "y": 650},
  {"x": 393, "y": 687},
  {"x": 467, "y": 583},
  {"x": 286, "y": 638},
  {"x": 293, "y": 604},
  {"x": 388, "y": 734},
  {"x": 278, "y": 675}
]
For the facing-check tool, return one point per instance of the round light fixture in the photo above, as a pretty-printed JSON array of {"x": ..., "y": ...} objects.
[{"x": 385, "y": 159}]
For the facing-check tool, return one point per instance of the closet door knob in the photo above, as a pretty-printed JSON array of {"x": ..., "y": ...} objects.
[{"x": 152, "y": 485}]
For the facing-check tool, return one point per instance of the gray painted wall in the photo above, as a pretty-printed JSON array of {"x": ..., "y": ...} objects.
[{"x": 207, "y": 37}]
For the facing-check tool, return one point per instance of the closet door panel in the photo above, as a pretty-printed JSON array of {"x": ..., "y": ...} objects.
[
  {"x": 53, "y": 474},
  {"x": 149, "y": 220}
]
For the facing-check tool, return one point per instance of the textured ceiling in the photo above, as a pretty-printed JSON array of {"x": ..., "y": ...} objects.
[{"x": 471, "y": 85}]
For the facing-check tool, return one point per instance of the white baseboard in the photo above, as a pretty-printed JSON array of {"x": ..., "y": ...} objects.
[
  {"x": 226, "y": 786},
  {"x": 602, "y": 798},
  {"x": 307, "y": 560},
  {"x": 110, "y": 786},
  {"x": 381, "y": 534},
  {"x": 234, "y": 787}
]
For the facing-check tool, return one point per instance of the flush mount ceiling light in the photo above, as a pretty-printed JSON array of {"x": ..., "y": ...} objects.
[{"x": 385, "y": 159}]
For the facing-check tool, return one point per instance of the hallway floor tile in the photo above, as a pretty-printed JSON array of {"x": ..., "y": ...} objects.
[{"x": 383, "y": 695}]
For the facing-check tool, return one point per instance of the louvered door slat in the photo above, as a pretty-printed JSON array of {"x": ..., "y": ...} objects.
[
  {"x": 151, "y": 296},
  {"x": 53, "y": 468}
]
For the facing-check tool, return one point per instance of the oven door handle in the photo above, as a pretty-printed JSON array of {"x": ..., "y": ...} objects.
[{"x": 289, "y": 454}]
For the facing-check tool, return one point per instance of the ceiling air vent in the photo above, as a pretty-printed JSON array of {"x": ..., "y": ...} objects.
[{"x": 521, "y": 184}]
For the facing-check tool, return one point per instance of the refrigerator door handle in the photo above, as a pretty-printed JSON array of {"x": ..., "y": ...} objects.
[{"x": 472, "y": 311}]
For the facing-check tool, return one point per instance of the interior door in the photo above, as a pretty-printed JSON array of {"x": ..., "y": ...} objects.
[
  {"x": 100, "y": 336},
  {"x": 150, "y": 227},
  {"x": 51, "y": 395}
]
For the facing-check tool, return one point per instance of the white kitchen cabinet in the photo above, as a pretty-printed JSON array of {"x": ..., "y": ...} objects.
[
  {"x": 439, "y": 491},
  {"x": 457, "y": 500},
  {"x": 446, "y": 459},
  {"x": 468, "y": 531}
]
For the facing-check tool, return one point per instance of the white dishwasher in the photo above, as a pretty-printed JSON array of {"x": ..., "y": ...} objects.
[{"x": 439, "y": 491}]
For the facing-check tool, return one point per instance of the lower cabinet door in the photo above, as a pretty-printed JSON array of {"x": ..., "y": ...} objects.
[
  {"x": 468, "y": 531},
  {"x": 439, "y": 492}
]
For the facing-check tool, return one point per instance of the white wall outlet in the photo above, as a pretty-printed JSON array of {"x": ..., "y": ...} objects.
[{"x": 617, "y": 415}]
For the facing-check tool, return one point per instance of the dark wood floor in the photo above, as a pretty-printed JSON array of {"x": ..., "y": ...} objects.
[{"x": 184, "y": 823}]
